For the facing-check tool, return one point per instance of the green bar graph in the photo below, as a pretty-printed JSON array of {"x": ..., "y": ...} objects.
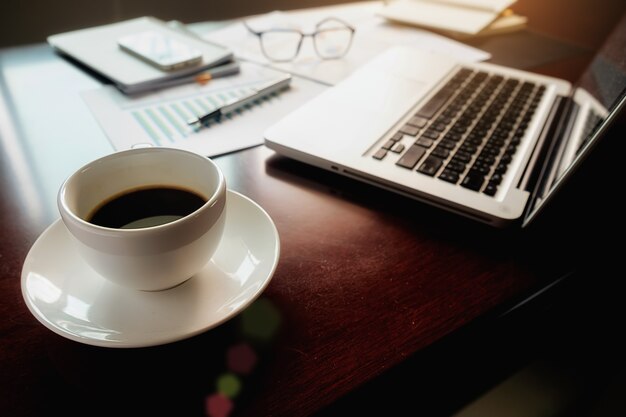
[{"x": 167, "y": 122}]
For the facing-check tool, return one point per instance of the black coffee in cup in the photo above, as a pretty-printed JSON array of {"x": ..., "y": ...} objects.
[{"x": 146, "y": 207}]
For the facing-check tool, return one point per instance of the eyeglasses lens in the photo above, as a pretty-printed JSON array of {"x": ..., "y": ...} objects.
[
  {"x": 332, "y": 40},
  {"x": 281, "y": 45}
]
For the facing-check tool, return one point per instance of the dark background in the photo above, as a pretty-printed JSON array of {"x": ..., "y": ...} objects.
[{"x": 29, "y": 21}]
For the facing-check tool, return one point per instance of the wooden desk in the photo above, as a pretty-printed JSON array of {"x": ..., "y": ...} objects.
[{"x": 368, "y": 282}]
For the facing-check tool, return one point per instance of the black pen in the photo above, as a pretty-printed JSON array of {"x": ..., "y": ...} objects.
[{"x": 258, "y": 92}]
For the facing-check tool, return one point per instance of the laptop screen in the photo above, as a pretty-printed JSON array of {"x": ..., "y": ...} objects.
[{"x": 596, "y": 100}]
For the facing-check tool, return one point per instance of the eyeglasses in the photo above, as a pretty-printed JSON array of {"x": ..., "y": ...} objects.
[{"x": 332, "y": 39}]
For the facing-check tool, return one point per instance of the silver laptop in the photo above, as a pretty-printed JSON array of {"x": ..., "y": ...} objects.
[{"x": 485, "y": 141}]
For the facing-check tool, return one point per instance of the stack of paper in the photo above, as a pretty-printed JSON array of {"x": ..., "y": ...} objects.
[{"x": 457, "y": 17}]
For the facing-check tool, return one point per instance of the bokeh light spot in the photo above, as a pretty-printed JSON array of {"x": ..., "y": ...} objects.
[
  {"x": 217, "y": 405},
  {"x": 228, "y": 385},
  {"x": 260, "y": 320},
  {"x": 241, "y": 359}
]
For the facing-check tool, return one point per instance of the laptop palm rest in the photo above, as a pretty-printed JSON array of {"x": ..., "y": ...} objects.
[{"x": 349, "y": 118}]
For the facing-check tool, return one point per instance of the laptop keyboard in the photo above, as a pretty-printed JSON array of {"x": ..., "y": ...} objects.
[{"x": 468, "y": 132}]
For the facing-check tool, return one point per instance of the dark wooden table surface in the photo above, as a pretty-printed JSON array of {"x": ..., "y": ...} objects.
[{"x": 369, "y": 283}]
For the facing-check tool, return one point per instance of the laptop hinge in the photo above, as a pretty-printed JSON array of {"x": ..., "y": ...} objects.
[
  {"x": 564, "y": 135},
  {"x": 536, "y": 178}
]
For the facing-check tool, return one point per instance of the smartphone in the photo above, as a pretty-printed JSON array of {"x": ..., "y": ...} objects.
[{"x": 160, "y": 50}]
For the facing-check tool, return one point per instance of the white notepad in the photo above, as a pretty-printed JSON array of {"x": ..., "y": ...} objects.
[
  {"x": 97, "y": 48},
  {"x": 461, "y": 16}
]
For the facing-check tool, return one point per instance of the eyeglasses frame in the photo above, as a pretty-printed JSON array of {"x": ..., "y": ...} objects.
[{"x": 312, "y": 35}]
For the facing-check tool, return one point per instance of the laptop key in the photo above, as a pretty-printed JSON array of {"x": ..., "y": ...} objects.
[
  {"x": 501, "y": 169},
  {"x": 380, "y": 154},
  {"x": 434, "y": 104},
  {"x": 510, "y": 150},
  {"x": 473, "y": 180},
  {"x": 389, "y": 144},
  {"x": 496, "y": 142},
  {"x": 490, "y": 151},
  {"x": 417, "y": 121},
  {"x": 397, "y": 148},
  {"x": 474, "y": 141},
  {"x": 443, "y": 119},
  {"x": 425, "y": 142},
  {"x": 447, "y": 144},
  {"x": 480, "y": 168},
  {"x": 411, "y": 157},
  {"x": 438, "y": 126},
  {"x": 486, "y": 159},
  {"x": 431, "y": 134},
  {"x": 496, "y": 179},
  {"x": 430, "y": 166},
  {"x": 467, "y": 148},
  {"x": 490, "y": 189},
  {"x": 453, "y": 136},
  {"x": 441, "y": 152},
  {"x": 450, "y": 176},
  {"x": 409, "y": 130},
  {"x": 462, "y": 156},
  {"x": 456, "y": 166},
  {"x": 459, "y": 128}
]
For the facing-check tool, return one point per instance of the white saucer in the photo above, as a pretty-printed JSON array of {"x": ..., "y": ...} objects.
[{"x": 71, "y": 299}]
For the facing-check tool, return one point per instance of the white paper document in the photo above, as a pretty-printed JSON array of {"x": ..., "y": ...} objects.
[
  {"x": 160, "y": 118},
  {"x": 373, "y": 36}
]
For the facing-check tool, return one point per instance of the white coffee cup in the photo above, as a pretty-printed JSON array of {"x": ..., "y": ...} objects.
[{"x": 156, "y": 257}]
